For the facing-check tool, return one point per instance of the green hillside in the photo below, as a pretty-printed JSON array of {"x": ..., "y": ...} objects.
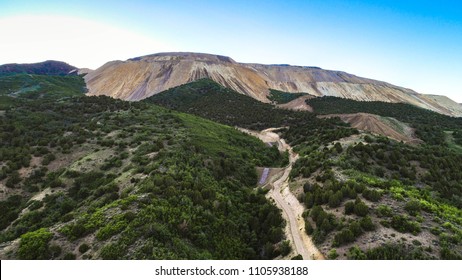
[
  {"x": 49, "y": 67},
  {"x": 17, "y": 88},
  {"x": 210, "y": 100},
  {"x": 93, "y": 177}
]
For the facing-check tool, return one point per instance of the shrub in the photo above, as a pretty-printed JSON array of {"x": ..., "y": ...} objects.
[
  {"x": 75, "y": 230},
  {"x": 361, "y": 209},
  {"x": 355, "y": 228},
  {"x": 349, "y": 208},
  {"x": 396, "y": 252},
  {"x": 338, "y": 148},
  {"x": 55, "y": 251},
  {"x": 354, "y": 253},
  {"x": 83, "y": 248},
  {"x": 285, "y": 248},
  {"x": 385, "y": 223},
  {"x": 448, "y": 254},
  {"x": 34, "y": 245},
  {"x": 372, "y": 195},
  {"x": 297, "y": 257},
  {"x": 367, "y": 224},
  {"x": 384, "y": 211},
  {"x": 413, "y": 207},
  {"x": 319, "y": 236},
  {"x": 69, "y": 256},
  {"x": 48, "y": 158},
  {"x": 36, "y": 204},
  {"x": 113, "y": 251},
  {"x": 309, "y": 200},
  {"x": 343, "y": 237},
  {"x": 13, "y": 180},
  {"x": 308, "y": 227},
  {"x": 326, "y": 226},
  {"x": 403, "y": 224},
  {"x": 335, "y": 199},
  {"x": 332, "y": 254}
]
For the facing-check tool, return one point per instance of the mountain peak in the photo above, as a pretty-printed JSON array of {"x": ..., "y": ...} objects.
[{"x": 172, "y": 56}]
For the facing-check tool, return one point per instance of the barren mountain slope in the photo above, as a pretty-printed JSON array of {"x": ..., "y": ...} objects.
[
  {"x": 388, "y": 127},
  {"x": 298, "y": 104},
  {"x": 141, "y": 77}
]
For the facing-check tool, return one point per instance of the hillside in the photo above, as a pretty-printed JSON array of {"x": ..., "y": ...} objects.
[
  {"x": 429, "y": 125},
  {"x": 210, "y": 100},
  {"x": 18, "y": 88},
  {"x": 49, "y": 67},
  {"x": 91, "y": 177},
  {"x": 139, "y": 78},
  {"x": 388, "y": 127},
  {"x": 98, "y": 178},
  {"x": 365, "y": 196}
]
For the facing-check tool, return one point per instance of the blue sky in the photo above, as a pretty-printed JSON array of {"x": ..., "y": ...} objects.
[{"x": 415, "y": 44}]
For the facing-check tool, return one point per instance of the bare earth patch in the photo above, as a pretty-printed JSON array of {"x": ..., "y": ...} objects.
[
  {"x": 388, "y": 127},
  {"x": 298, "y": 104}
]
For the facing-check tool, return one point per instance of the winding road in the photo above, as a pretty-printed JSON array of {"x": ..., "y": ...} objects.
[{"x": 285, "y": 200}]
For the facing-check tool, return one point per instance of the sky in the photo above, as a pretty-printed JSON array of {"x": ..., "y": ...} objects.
[{"x": 414, "y": 44}]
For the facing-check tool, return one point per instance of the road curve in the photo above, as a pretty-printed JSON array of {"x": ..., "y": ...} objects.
[{"x": 285, "y": 200}]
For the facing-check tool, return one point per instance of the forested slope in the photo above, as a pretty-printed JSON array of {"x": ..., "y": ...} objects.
[
  {"x": 93, "y": 177},
  {"x": 367, "y": 197}
]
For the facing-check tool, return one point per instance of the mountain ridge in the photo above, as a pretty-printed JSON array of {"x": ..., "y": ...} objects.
[
  {"x": 48, "y": 67},
  {"x": 141, "y": 77}
]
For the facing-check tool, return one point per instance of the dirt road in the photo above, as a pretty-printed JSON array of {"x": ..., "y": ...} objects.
[{"x": 285, "y": 200}]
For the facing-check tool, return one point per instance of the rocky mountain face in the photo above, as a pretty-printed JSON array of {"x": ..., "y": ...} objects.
[
  {"x": 49, "y": 67},
  {"x": 141, "y": 77}
]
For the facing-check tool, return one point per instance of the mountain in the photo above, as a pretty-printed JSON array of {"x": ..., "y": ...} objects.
[
  {"x": 49, "y": 67},
  {"x": 141, "y": 77}
]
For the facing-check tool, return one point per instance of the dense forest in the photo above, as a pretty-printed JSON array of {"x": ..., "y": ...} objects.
[{"x": 94, "y": 177}]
